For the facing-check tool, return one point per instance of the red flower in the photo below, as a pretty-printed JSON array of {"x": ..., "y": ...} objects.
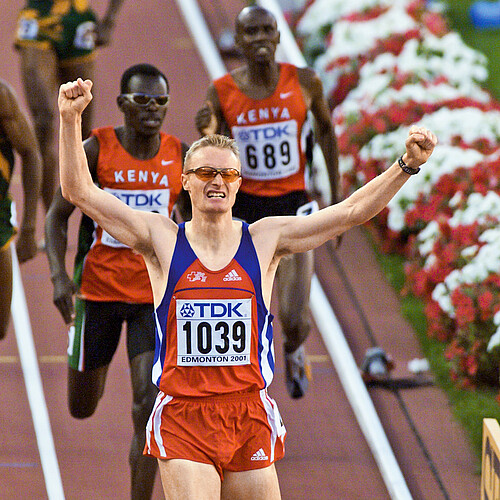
[
  {"x": 485, "y": 303},
  {"x": 471, "y": 365},
  {"x": 464, "y": 307},
  {"x": 435, "y": 23}
]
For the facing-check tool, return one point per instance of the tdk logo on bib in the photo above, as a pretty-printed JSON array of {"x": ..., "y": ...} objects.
[
  {"x": 265, "y": 132},
  {"x": 227, "y": 309},
  {"x": 187, "y": 311},
  {"x": 148, "y": 200},
  {"x": 140, "y": 199}
]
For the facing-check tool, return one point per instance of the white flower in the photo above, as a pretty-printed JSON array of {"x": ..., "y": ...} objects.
[
  {"x": 346, "y": 164},
  {"x": 325, "y": 12},
  {"x": 456, "y": 199},
  {"x": 485, "y": 262},
  {"x": 351, "y": 39},
  {"x": 372, "y": 95},
  {"x": 477, "y": 209},
  {"x": 433, "y": 56},
  {"x": 442, "y": 296},
  {"x": 426, "y": 239},
  {"x": 495, "y": 338},
  {"x": 445, "y": 159},
  {"x": 469, "y": 123}
]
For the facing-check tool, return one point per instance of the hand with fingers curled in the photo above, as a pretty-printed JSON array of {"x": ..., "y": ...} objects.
[
  {"x": 420, "y": 144},
  {"x": 74, "y": 97},
  {"x": 64, "y": 293},
  {"x": 205, "y": 119}
]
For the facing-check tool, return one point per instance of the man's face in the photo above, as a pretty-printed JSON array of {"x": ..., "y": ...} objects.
[
  {"x": 145, "y": 119},
  {"x": 257, "y": 35},
  {"x": 215, "y": 195}
]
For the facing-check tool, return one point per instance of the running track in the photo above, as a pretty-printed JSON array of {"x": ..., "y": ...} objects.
[{"x": 327, "y": 456}]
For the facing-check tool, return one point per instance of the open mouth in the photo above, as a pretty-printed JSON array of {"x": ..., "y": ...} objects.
[
  {"x": 213, "y": 194},
  {"x": 262, "y": 50},
  {"x": 152, "y": 121}
]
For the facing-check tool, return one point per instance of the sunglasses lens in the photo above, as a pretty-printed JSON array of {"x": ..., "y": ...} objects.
[
  {"x": 230, "y": 174},
  {"x": 145, "y": 99},
  {"x": 161, "y": 100},
  {"x": 205, "y": 173},
  {"x": 209, "y": 173},
  {"x": 141, "y": 99}
]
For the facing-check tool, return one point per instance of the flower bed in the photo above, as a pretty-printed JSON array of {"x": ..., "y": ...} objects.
[{"x": 385, "y": 66}]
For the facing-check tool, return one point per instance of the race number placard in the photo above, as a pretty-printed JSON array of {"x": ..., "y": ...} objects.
[
  {"x": 268, "y": 151},
  {"x": 151, "y": 200},
  {"x": 213, "y": 332},
  {"x": 85, "y": 36},
  {"x": 27, "y": 28}
]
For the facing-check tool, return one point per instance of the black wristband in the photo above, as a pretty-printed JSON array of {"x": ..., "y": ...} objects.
[{"x": 406, "y": 168}]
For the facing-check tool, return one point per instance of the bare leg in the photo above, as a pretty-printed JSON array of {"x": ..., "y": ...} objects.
[
  {"x": 143, "y": 468},
  {"x": 5, "y": 289},
  {"x": 260, "y": 484},
  {"x": 39, "y": 75},
  {"x": 85, "y": 389},
  {"x": 293, "y": 288},
  {"x": 186, "y": 480}
]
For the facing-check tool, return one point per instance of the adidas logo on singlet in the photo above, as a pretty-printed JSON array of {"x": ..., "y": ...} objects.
[
  {"x": 259, "y": 455},
  {"x": 232, "y": 276}
]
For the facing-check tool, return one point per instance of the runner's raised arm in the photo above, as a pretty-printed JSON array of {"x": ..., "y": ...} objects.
[{"x": 126, "y": 225}]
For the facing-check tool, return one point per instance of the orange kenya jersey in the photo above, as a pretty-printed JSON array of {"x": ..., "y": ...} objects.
[
  {"x": 112, "y": 271},
  {"x": 269, "y": 133}
]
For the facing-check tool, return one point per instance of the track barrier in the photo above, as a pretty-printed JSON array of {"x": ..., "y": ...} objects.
[{"x": 490, "y": 469}]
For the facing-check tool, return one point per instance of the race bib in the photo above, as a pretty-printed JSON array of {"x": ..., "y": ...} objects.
[
  {"x": 268, "y": 151},
  {"x": 27, "y": 28},
  {"x": 213, "y": 332},
  {"x": 85, "y": 36},
  {"x": 152, "y": 200},
  {"x": 308, "y": 208}
]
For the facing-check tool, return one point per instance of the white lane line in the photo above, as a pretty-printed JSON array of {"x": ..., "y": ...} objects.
[
  {"x": 33, "y": 383},
  {"x": 202, "y": 37},
  {"x": 356, "y": 392}
]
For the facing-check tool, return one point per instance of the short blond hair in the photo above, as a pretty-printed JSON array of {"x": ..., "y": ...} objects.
[{"x": 215, "y": 141}]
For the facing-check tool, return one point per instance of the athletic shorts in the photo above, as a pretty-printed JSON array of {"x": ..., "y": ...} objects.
[
  {"x": 7, "y": 222},
  {"x": 94, "y": 337},
  {"x": 251, "y": 208},
  {"x": 68, "y": 30},
  {"x": 234, "y": 432}
]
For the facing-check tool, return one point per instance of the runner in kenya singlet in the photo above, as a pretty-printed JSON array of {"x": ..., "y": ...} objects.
[
  {"x": 269, "y": 133},
  {"x": 109, "y": 270},
  {"x": 214, "y": 332}
]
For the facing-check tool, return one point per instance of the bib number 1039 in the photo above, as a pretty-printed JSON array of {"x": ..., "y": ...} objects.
[{"x": 213, "y": 333}]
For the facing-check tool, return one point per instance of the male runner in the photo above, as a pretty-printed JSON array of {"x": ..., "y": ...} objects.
[
  {"x": 56, "y": 40},
  {"x": 264, "y": 106},
  {"x": 16, "y": 135},
  {"x": 212, "y": 279},
  {"x": 142, "y": 166}
]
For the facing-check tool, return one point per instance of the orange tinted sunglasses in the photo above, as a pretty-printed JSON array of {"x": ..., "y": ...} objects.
[{"x": 209, "y": 173}]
